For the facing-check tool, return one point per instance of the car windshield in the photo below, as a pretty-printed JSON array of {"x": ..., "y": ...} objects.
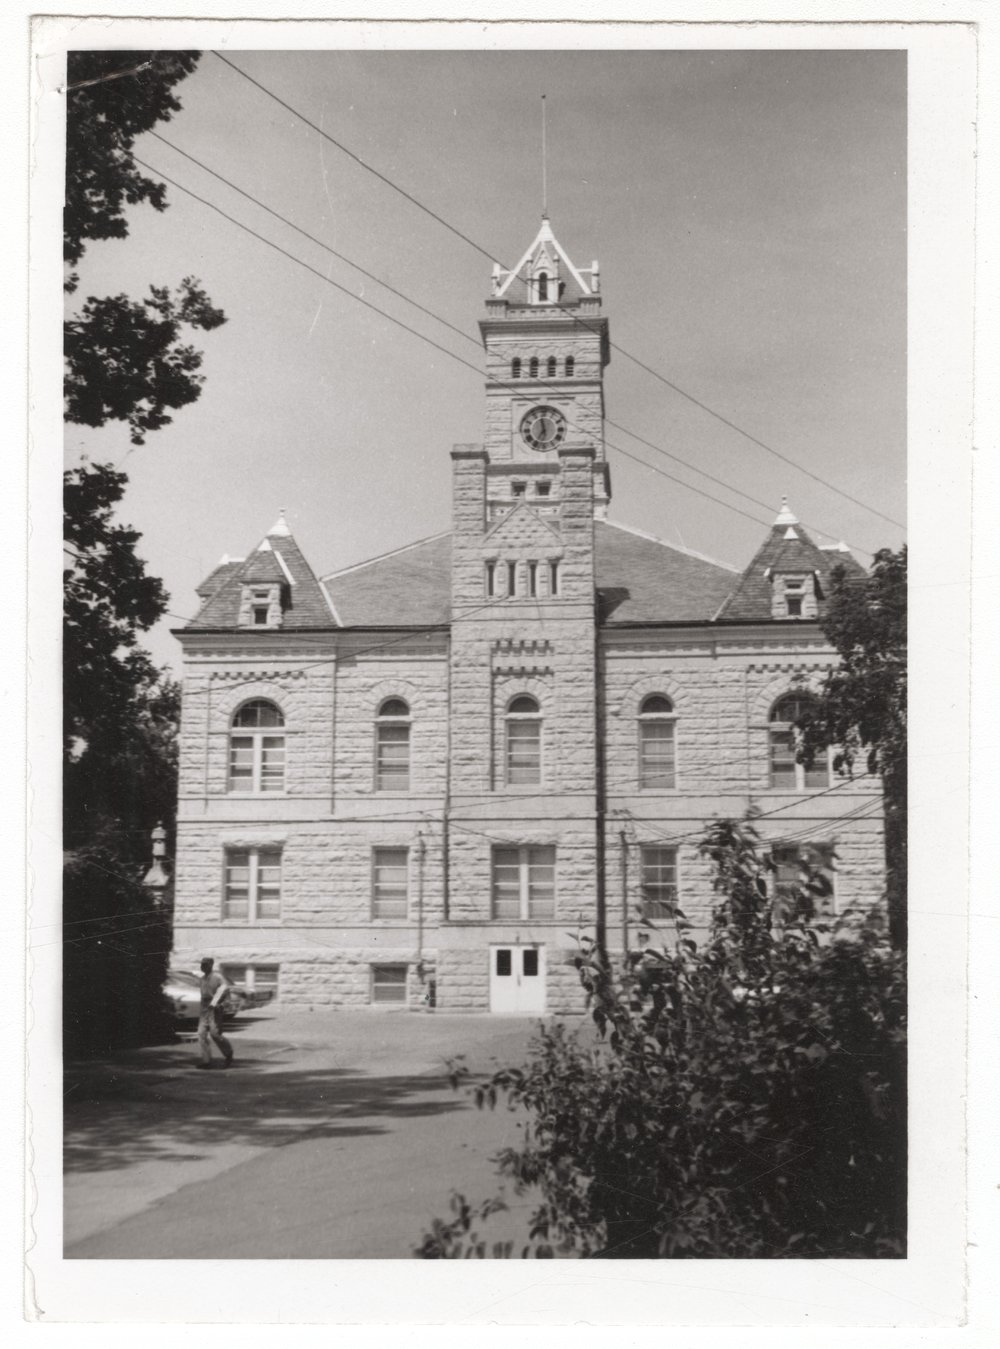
[{"x": 182, "y": 977}]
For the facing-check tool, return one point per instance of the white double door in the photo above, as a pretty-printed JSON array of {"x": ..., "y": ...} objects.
[{"x": 517, "y": 979}]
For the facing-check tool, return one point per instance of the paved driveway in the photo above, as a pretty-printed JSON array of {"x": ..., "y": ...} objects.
[{"x": 336, "y": 1135}]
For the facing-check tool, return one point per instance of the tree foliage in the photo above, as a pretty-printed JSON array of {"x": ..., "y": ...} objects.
[
  {"x": 743, "y": 1099},
  {"x": 125, "y": 360},
  {"x": 113, "y": 97},
  {"x": 861, "y": 709}
]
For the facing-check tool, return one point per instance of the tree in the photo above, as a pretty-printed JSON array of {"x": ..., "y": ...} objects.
[
  {"x": 861, "y": 709},
  {"x": 113, "y": 97},
  {"x": 126, "y": 360},
  {"x": 744, "y": 1098}
]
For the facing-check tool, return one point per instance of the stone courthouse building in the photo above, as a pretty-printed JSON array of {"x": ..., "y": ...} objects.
[{"x": 423, "y": 776}]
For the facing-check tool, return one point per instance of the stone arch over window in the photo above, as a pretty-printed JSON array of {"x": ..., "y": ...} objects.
[
  {"x": 657, "y": 747},
  {"x": 257, "y": 747},
  {"x": 392, "y": 745},
  {"x": 784, "y": 770},
  {"x": 663, "y": 684},
  {"x": 523, "y": 741}
]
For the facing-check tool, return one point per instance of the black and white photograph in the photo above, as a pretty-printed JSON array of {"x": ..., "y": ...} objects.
[{"x": 486, "y": 835}]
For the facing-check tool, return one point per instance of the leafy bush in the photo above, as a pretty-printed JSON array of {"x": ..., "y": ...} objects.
[
  {"x": 115, "y": 950},
  {"x": 745, "y": 1098}
]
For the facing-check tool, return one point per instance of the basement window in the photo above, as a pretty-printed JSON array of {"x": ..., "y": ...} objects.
[{"x": 388, "y": 984}]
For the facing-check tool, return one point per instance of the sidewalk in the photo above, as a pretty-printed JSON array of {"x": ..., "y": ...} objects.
[{"x": 336, "y": 1135}]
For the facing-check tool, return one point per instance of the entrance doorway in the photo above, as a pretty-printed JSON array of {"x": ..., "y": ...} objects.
[{"x": 517, "y": 979}]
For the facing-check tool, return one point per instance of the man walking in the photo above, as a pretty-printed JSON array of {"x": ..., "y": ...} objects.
[{"x": 214, "y": 989}]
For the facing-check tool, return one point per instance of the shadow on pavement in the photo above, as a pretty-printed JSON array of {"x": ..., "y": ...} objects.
[{"x": 158, "y": 1107}]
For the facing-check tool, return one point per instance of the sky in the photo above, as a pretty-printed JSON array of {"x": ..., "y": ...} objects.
[{"x": 747, "y": 209}]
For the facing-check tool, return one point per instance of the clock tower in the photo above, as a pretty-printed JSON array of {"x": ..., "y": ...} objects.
[
  {"x": 546, "y": 347},
  {"x": 523, "y": 747}
]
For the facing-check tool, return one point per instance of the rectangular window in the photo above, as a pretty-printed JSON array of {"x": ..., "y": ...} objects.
[
  {"x": 392, "y": 758},
  {"x": 533, "y": 579},
  {"x": 794, "y": 603},
  {"x": 253, "y": 978},
  {"x": 260, "y": 615},
  {"x": 553, "y": 578},
  {"x": 511, "y": 578},
  {"x": 543, "y": 489},
  {"x": 388, "y": 983},
  {"x": 524, "y": 882},
  {"x": 252, "y": 888},
  {"x": 518, "y": 489},
  {"x": 390, "y": 882},
  {"x": 659, "y": 881},
  {"x": 524, "y": 752},
  {"x": 491, "y": 579},
  {"x": 803, "y": 874},
  {"x": 783, "y": 765},
  {"x": 656, "y": 754}
]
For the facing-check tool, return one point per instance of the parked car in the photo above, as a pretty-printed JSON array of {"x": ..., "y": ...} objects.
[{"x": 183, "y": 991}]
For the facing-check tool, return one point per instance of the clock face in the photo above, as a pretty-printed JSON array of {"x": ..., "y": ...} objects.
[{"x": 543, "y": 428}]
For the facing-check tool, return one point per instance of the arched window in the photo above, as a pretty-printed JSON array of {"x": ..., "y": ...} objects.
[
  {"x": 515, "y": 368},
  {"x": 533, "y": 367},
  {"x": 543, "y": 285},
  {"x": 392, "y": 746},
  {"x": 257, "y": 748},
  {"x": 524, "y": 742},
  {"x": 656, "y": 743},
  {"x": 783, "y": 744},
  {"x": 570, "y": 366},
  {"x": 550, "y": 367}
]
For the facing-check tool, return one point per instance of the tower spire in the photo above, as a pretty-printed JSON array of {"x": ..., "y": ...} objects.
[{"x": 545, "y": 189}]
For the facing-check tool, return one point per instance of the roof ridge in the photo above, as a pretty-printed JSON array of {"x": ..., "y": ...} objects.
[
  {"x": 674, "y": 547},
  {"x": 394, "y": 552}
]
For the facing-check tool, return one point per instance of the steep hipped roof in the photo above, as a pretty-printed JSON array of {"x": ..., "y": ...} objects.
[
  {"x": 643, "y": 580},
  {"x": 408, "y": 585},
  {"x": 276, "y": 560},
  {"x": 639, "y": 579},
  {"x": 787, "y": 548}
]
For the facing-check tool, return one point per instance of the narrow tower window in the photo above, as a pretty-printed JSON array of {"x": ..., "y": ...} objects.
[
  {"x": 543, "y": 285},
  {"x": 491, "y": 579},
  {"x": 553, "y": 578},
  {"x": 511, "y": 578},
  {"x": 515, "y": 368},
  {"x": 550, "y": 367},
  {"x": 533, "y": 579},
  {"x": 524, "y": 742},
  {"x": 533, "y": 367},
  {"x": 570, "y": 365}
]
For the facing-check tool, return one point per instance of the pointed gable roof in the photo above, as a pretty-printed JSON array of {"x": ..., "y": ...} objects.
[
  {"x": 544, "y": 248},
  {"x": 787, "y": 549},
  {"x": 277, "y": 560}
]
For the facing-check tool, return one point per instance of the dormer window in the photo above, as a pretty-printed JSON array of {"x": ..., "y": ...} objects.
[
  {"x": 543, "y": 286},
  {"x": 260, "y": 607},
  {"x": 794, "y": 596}
]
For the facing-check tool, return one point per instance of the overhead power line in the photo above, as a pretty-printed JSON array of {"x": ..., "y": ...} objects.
[
  {"x": 487, "y": 253},
  {"x": 408, "y": 299},
  {"x": 292, "y": 257}
]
